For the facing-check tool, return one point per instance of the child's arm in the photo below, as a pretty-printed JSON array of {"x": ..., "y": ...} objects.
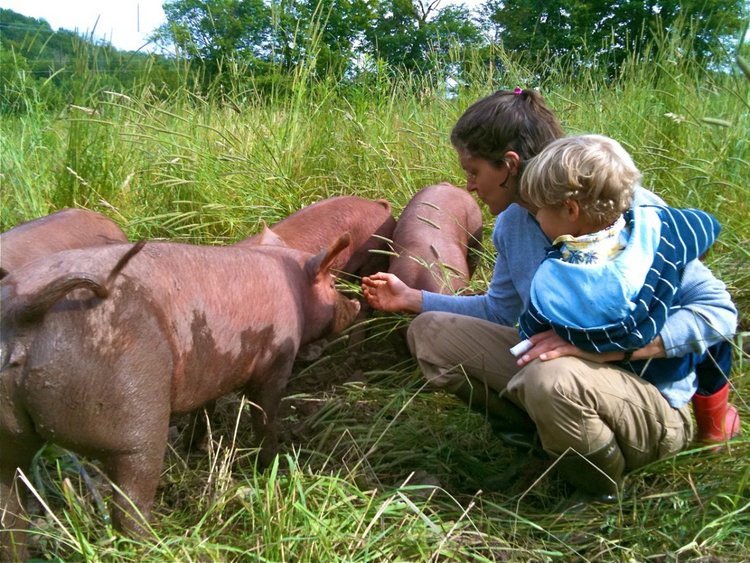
[{"x": 693, "y": 232}]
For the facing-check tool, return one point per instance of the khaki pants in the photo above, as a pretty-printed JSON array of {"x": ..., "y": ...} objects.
[{"x": 574, "y": 403}]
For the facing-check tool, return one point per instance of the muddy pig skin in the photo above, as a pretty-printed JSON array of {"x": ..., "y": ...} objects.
[
  {"x": 432, "y": 239},
  {"x": 314, "y": 227},
  {"x": 97, "y": 365},
  {"x": 62, "y": 230}
]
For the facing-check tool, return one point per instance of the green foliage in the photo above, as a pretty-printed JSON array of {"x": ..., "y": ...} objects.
[
  {"x": 255, "y": 47},
  {"x": 218, "y": 30},
  {"x": 45, "y": 70},
  {"x": 614, "y": 31},
  {"x": 382, "y": 470},
  {"x": 340, "y": 37}
]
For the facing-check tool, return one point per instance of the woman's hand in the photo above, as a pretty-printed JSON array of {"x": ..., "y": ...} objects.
[
  {"x": 388, "y": 293},
  {"x": 548, "y": 346}
]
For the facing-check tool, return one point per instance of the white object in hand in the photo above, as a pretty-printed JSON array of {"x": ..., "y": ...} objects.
[{"x": 521, "y": 348}]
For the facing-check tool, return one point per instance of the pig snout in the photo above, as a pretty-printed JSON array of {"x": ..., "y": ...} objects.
[{"x": 345, "y": 312}]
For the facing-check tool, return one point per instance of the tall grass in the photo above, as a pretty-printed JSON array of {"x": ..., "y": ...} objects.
[{"x": 376, "y": 467}]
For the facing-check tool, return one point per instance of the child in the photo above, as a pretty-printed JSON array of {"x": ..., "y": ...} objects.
[{"x": 611, "y": 277}]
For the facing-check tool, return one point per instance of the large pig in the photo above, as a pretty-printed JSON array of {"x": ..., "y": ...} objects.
[
  {"x": 312, "y": 228},
  {"x": 62, "y": 230},
  {"x": 97, "y": 362},
  {"x": 432, "y": 239}
]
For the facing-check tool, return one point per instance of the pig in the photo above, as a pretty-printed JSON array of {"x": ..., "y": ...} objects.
[
  {"x": 62, "y": 230},
  {"x": 433, "y": 237},
  {"x": 312, "y": 228},
  {"x": 370, "y": 223},
  {"x": 96, "y": 354}
]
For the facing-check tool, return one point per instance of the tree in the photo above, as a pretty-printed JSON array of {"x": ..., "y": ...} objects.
[
  {"x": 333, "y": 34},
  {"x": 328, "y": 32},
  {"x": 217, "y": 30},
  {"x": 415, "y": 35},
  {"x": 278, "y": 33},
  {"x": 611, "y": 29},
  {"x": 41, "y": 67},
  {"x": 339, "y": 26}
]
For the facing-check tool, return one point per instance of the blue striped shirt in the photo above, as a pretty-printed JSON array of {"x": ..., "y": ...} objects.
[{"x": 621, "y": 304}]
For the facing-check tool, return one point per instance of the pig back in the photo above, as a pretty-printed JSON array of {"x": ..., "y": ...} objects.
[
  {"x": 231, "y": 312},
  {"x": 62, "y": 230},
  {"x": 315, "y": 227},
  {"x": 432, "y": 239},
  {"x": 223, "y": 312}
]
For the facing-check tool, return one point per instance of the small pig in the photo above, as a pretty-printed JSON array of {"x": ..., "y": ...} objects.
[
  {"x": 314, "y": 227},
  {"x": 97, "y": 362},
  {"x": 62, "y": 230},
  {"x": 432, "y": 239}
]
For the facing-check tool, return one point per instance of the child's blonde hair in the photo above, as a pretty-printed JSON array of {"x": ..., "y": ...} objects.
[{"x": 593, "y": 170}]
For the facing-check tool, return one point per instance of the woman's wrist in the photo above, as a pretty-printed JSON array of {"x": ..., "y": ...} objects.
[{"x": 414, "y": 301}]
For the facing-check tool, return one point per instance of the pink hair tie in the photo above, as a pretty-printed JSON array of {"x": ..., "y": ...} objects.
[{"x": 518, "y": 91}]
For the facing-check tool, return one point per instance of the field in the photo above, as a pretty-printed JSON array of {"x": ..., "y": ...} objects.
[{"x": 376, "y": 467}]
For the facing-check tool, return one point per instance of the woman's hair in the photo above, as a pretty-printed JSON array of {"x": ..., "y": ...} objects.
[
  {"x": 593, "y": 170},
  {"x": 517, "y": 121}
]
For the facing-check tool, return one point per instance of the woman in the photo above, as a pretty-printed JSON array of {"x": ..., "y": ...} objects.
[{"x": 597, "y": 417}]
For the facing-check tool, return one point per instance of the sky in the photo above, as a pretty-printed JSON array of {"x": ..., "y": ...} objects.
[{"x": 124, "y": 23}]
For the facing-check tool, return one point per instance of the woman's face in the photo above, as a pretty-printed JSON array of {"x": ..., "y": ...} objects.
[{"x": 494, "y": 186}]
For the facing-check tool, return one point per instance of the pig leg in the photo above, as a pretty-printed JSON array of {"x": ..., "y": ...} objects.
[
  {"x": 123, "y": 417},
  {"x": 266, "y": 397},
  {"x": 12, "y": 521},
  {"x": 14, "y": 454},
  {"x": 137, "y": 477},
  {"x": 196, "y": 431}
]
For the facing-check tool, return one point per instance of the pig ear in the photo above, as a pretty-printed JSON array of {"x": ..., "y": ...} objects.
[
  {"x": 385, "y": 203},
  {"x": 321, "y": 264},
  {"x": 270, "y": 238}
]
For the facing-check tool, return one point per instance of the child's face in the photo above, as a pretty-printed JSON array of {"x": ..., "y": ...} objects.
[
  {"x": 555, "y": 220},
  {"x": 495, "y": 186}
]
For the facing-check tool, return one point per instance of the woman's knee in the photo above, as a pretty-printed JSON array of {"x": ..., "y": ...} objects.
[
  {"x": 539, "y": 385},
  {"x": 422, "y": 330},
  {"x": 421, "y": 337}
]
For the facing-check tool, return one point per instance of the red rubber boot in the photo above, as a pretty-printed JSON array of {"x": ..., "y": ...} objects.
[{"x": 717, "y": 420}]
